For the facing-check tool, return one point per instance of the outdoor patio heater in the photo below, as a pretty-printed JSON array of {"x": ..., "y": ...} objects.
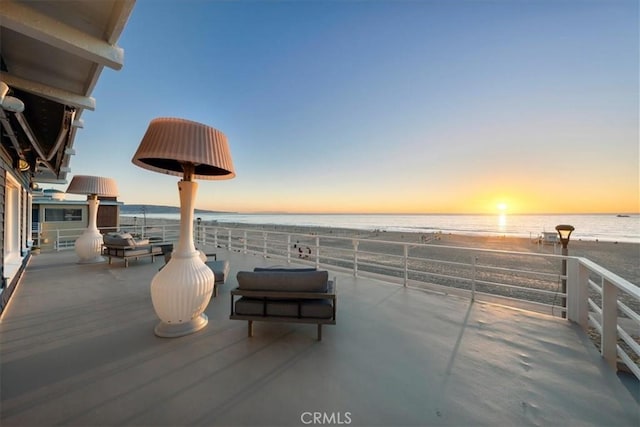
[
  {"x": 89, "y": 245},
  {"x": 181, "y": 291}
]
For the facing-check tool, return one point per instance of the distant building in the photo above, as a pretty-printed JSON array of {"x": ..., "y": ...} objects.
[
  {"x": 550, "y": 238},
  {"x": 52, "y": 214}
]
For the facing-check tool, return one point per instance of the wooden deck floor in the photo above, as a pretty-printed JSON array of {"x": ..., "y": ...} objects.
[{"x": 77, "y": 348}]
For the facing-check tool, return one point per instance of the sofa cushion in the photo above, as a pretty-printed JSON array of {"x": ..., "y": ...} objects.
[
  {"x": 285, "y": 269},
  {"x": 316, "y": 309},
  {"x": 220, "y": 269},
  {"x": 118, "y": 239},
  {"x": 283, "y": 281},
  {"x": 138, "y": 252},
  {"x": 122, "y": 240},
  {"x": 249, "y": 307}
]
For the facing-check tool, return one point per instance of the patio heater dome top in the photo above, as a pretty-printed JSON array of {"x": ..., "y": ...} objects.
[
  {"x": 171, "y": 143},
  {"x": 93, "y": 185}
]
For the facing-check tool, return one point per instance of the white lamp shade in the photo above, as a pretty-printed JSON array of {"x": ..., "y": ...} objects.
[
  {"x": 170, "y": 142},
  {"x": 86, "y": 184}
]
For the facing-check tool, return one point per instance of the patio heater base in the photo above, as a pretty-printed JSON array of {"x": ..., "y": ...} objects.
[
  {"x": 88, "y": 247},
  {"x": 174, "y": 330}
]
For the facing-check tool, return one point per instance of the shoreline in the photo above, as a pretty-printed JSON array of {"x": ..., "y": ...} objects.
[
  {"x": 620, "y": 258},
  {"x": 625, "y": 231}
]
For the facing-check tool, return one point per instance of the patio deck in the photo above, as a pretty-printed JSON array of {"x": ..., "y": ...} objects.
[{"x": 77, "y": 348}]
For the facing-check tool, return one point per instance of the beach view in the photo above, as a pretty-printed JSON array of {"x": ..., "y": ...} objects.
[{"x": 326, "y": 212}]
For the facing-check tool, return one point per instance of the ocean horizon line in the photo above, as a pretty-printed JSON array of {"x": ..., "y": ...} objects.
[
  {"x": 615, "y": 213},
  {"x": 596, "y": 227}
]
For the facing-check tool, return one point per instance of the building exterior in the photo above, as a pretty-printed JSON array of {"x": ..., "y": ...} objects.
[
  {"x": 550, "y": 237},
  {"x": 51, "y": 57},
  {"x": 15, "y": 211},
  {"x": 56, "y": 221}
]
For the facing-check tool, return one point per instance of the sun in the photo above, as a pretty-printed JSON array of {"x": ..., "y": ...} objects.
[{"x": 502, "y": 207}]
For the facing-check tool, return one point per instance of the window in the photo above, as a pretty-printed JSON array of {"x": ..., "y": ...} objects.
[{"x": 60, "y": 214}]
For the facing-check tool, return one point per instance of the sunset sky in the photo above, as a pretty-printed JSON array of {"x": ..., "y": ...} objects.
[{"x": 382, "y": 106}]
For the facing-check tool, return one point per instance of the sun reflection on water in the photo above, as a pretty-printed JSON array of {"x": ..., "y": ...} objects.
[{"x": 502, "y": 222}]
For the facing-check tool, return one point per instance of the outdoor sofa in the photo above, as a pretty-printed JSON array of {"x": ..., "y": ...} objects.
[
  {"x": 284, "y": 295},
  {"x": 124, "y": 246}
]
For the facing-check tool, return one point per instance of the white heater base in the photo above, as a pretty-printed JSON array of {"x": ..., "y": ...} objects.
[
  {"x": 88, "y": 247},
  {"x": 168, "y": 330},
  {"x": 180, "y": 292}
]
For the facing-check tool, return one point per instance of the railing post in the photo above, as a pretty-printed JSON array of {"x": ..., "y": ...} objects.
[
  {"x": 609, "y": 339},
  {"x": 577, "y": 292},
  {"x": 406, "y": 265},
  {"x": 474, "y": 260},
  {"x": 215, "y": 237},
  {"x": 355, "y": 257},
  {"x": 229, "y": 240},
  {"x": 288, "y": 248},
  {"x": 57, "y": 242},
  {"x": 264, "y": 244},
  {"x": 196, "y": 234},
  {"x": 317, "y": 251},
  {"x": 164, "y": 233},
  {"x": 204, "y": 235}
]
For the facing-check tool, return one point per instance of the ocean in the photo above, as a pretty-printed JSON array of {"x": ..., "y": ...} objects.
[{"x": 602, "y": 227}]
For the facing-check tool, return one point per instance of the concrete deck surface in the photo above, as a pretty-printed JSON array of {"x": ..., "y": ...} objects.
[{"x": 77, "y": 348}]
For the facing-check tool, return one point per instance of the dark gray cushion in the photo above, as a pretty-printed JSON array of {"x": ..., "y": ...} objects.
[
  {"x": 220, "y": 269},
  {"x": 282, "y": 308},
  {"x": 285, "y": 281},
  {"x": 316, "y": 309},
  {"x": 249, "y": 307},
  {"x": 285, "y": 269}
]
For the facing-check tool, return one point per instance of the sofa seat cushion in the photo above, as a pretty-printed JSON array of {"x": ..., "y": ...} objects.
[
  {"x": 312, "y": 309},
  {"x": 317, "y": 309},
  {"x": 284, "y": 281}
]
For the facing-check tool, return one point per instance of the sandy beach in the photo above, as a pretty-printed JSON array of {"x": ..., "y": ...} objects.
[{"x": 621, "y": 258}]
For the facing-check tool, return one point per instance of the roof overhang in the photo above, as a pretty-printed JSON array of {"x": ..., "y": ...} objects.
[{"x": 52, "y": 54}]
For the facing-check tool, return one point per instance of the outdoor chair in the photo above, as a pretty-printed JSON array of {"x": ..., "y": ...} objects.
[{"x": 220, "y": 268}]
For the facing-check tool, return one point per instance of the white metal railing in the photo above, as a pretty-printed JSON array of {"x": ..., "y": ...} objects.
[
  {"x": 63, "y": 239},
  {"x": 595, "y": 297},
  {"x": 608, "y": 303},
  {"x": 477, "y": 273}
]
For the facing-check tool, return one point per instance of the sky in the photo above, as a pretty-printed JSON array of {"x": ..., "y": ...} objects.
[{"x": 382, "y": 106}]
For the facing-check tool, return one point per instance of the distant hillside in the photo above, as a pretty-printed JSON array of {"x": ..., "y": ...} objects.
[{"x": 157, "y": 209}]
